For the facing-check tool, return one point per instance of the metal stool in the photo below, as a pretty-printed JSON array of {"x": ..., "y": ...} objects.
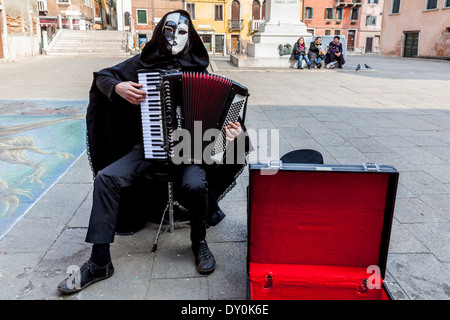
[{"x": 170, "y": 222}]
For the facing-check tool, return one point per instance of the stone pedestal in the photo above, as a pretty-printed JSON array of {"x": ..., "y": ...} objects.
[{"x": 283, "y": 26}]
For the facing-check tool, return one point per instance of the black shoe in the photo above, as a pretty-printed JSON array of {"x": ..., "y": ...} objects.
[
  {"x": 215, "y": 218},
  {"x": 309, "y": 67},
  {"x": 204, "y": 259},
  {"x": 300, "y": 68},
  {"x": 88, "y": 274}
]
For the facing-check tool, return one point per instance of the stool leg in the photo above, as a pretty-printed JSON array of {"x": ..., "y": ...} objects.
[
  {"x": 171, "y": 219},
  {"x": 159, "y": 230}
]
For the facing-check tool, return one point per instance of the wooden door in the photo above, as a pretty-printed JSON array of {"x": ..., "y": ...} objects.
[
  {"x": 351, "y": 40},
  {"x": 234, "y": 43},
  {"x": 369, "y": 45},
  {"x": 411, "y": 45}
]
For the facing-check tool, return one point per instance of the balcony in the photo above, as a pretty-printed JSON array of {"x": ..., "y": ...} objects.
[
  {"x": 255, "y": 24},
  {"x": 345, "y": 3},
  {"x": 235, "y": 24}
]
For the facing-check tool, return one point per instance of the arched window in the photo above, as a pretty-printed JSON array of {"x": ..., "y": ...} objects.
[
  {"x": 256, "y": 10},
  {"x": 127, "y": 18},
  {"x": 235, "y": 10},
  {"x": 263, "y": 10}
]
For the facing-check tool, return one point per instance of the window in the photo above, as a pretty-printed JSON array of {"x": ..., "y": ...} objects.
[
  {"x": 354, "y": 14},
  {"x": 42, "y": 5},
  {"x": 328, "y": 13},
  {"x": 337, "y": 32},
  {"x": 395, "y": 6},
  {"x": 256, "y": 10},
  {"x": 190, "y": 8},
  {"x": 142, "y": 16},
  {"x": 63, "y": 1},
  {"x": 373, "y": 1},
  {"x": 447, "y": 4},
  {"x": 218, "y": 12},
  {"x": 371, "y": 21},
  {"x": 327, "y": 32},
  {"x": 308, "y": 13},
  {"x": 432, "y": 4},
  {"x": 338, "y": 15}
]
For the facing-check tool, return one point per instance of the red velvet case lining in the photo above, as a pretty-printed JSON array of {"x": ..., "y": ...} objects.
[
  {"x": 300, "y": 282},
  {"x": 323, "y": 226}
]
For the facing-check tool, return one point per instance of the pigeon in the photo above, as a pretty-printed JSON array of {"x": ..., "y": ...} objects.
[
  {"x": 367, "y": 67},
  {"x": 358, "y": 67}
]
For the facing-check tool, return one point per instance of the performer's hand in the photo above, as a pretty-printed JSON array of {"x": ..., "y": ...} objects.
[
  {"x": 233, "y": 129},
  {"x": 130, "y": 91}
]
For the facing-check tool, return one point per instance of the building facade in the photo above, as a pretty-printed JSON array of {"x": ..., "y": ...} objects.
[
  {"x": 226, "y": 26},
  {"x": 416, "y": 28},
  {"x": 359, "y": 21},
  {"x": 78, "y": 14},
  {"x": 145, "y": 14},
  {"x": 19, "y": 29},
  {"x": 370, "y": 26}
]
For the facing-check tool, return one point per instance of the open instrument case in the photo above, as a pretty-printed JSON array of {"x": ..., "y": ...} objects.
[{"x": 318, "y": 231}]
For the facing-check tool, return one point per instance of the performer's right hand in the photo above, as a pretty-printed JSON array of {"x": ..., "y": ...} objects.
[{"x": 130, "y": 91}]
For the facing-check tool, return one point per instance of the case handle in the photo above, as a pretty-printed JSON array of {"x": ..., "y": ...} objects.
[{"x": 371, "y": 167}]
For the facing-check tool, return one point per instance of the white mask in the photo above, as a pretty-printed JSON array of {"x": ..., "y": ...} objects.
[{"x": 176, "y": 31}]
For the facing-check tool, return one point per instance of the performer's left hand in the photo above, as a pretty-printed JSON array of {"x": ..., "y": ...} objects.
[{"x": 233, "y": 129}]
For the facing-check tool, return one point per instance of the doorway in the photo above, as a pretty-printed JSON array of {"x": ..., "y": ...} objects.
[
  {"x": 234, "y": 44},
  {"x": 351, "y": 40},
  {"x": 369, "y": 45},
  {"x": 411, "y": 44},
  {"x": 219, "y": 41},
  {"x": 207, "y": 41}
]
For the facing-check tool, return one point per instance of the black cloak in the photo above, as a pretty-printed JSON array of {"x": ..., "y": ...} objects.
[{"x": 114, "y": 125}]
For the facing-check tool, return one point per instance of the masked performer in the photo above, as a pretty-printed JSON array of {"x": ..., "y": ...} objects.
[{"x": 114, "y": 133}]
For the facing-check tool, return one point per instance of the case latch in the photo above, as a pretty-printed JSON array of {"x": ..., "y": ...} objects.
[
  {"x": 274, "y": 164},
  {"x": 371, "y": 167},
  {"x": 268, "y": 283}
]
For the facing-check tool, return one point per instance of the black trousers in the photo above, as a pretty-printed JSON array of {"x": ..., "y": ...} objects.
[
  {"x": 126, "y": 172},
  {"x": 334, "y": 57}
]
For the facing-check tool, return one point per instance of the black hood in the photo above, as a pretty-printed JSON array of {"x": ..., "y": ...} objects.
[{"x": 155, "y": 54}]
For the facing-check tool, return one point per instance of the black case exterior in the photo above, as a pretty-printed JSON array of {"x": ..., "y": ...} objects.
[{"x": 372, "y": 168}]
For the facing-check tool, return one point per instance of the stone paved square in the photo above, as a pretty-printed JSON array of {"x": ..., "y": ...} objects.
[{"x": 397, "y": 113}]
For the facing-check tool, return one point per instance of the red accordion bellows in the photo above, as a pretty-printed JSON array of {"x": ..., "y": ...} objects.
[{"x": 204, "y": 97}]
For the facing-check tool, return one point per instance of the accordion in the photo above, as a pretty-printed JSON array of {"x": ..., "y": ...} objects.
[{"x": 181, "y": 108}]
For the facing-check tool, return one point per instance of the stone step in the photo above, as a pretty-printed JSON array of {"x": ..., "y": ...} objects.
[
  {"x": 85, "y": 50},
  {"x": 91, "y": 37},
  {"x": 87, "y": 45},
  {"x": 90, "y": 43},
  {"x": 63, "y": 39},
  {"x": 84, "y": 44},
  {"x": 90, "y": 54}
]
